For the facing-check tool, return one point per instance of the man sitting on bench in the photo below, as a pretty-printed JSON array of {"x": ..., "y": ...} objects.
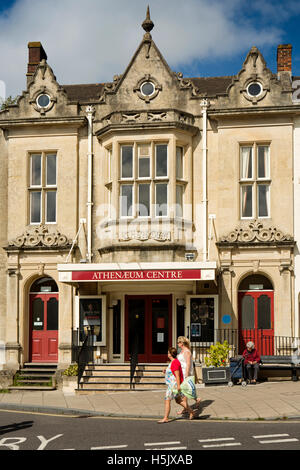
[{"x": 251, "y": 361}]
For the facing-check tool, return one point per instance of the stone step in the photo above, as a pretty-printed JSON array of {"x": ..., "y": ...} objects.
[
  {"x": 33, "y": 387},
  {"x": 118, "y": 373},
  {"x": 117, "y": 385},
  {"x": 93, "y": 379},
  {"x": 35, "y": 371}
]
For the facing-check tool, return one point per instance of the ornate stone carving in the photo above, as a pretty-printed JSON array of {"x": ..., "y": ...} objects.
[
  {"x": 186, "y": 83},
  {"x": 157, "y": 116},
  {"x": 130, "y": 117},
  {"x": 40, "y": 236},
  {"x": 256, "y": 233}
]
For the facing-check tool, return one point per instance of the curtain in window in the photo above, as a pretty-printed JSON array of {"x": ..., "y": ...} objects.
[{"x": 246, "y": 162}]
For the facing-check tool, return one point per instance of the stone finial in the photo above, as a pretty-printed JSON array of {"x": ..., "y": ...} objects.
[{"x": 148, "y": 24}]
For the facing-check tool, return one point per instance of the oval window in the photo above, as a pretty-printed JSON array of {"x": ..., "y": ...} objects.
[
  {"x": 147, "y": 88},
  {"x": 254, "y": 89},
  {"x": 43, "y": 101}
]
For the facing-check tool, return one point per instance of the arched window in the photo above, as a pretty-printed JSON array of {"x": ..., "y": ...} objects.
[
  {"x": 256, "y": 282},
  {"x": 44, "y": 285}
]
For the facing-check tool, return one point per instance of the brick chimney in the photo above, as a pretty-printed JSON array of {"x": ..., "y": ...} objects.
[
  {"x": 284, "y": 58},
  {"x": 36, "y": 54}
]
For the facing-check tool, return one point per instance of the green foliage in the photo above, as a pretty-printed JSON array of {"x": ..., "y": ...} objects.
[
  {"x": 9, "y": 101},
  {"x": 218, "y": 355},
  {"x": 71, "y": 371}
]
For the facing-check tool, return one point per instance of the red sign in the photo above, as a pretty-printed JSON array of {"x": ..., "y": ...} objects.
[{"x": 145, "y": 275}]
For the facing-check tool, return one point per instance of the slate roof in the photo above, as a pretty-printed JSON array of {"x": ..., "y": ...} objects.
[{"x": 212, "y": 86}]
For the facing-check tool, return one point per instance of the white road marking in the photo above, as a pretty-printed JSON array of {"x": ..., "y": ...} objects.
[
  {"x": 274, "y": 441},
  {"x": 223, "y": 445},
  {"x": 161, "y": 443},
  {"x": 218, "y": 439},
  {"x": 109, "y": 447},
  {"x": 271, "y": 435}
]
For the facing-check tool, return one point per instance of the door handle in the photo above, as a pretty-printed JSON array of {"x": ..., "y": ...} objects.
[{"x": 188, "y": 332}]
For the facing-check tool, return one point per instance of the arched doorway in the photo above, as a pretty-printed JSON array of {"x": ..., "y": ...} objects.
[
  {"x": 256, "y": 313},
  {"x": 43, "y": 300}
]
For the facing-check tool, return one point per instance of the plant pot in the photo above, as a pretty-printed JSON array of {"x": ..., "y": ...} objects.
[
  {"x": 215, "y": 375},
  {"x": 69, "y": 384}
]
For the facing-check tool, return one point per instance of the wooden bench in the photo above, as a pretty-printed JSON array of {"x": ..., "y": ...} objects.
[{"x": 280, "y": 363}]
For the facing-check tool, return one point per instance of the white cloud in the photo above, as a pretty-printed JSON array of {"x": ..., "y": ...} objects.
[{"x": 92, "y": 40}]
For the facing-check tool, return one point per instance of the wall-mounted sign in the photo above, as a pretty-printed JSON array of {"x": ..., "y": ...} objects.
[{"x": 141, "y": 275}]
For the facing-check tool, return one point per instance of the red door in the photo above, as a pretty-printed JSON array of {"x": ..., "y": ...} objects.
[
  {"x": 44, "y": 327},
  {"x": 148, "y": 324},
  {"x": 256, "y": 320}
]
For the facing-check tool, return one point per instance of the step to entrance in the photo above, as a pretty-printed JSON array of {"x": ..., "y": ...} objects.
[
  {"x": 35, "y": 376},
  {"x": 116, "y": 377}
]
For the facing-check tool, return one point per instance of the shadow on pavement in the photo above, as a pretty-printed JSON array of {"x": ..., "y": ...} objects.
[{"x": 15, "y": 427}]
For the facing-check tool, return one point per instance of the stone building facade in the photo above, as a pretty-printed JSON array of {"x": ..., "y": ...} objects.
[{"x": 154, "y": 204}]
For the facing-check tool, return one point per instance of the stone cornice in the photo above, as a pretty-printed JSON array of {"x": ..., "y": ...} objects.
[{"x": 77, "y": 121}]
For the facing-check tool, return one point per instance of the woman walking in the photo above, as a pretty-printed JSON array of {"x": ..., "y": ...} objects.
[
  {"x": 185, "y": 357},
  {"x": 174, "y": 379}
]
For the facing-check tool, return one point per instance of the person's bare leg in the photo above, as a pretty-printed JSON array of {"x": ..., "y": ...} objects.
[
  {"x": 187, "y": 408},
  {"x": 167, "y": 412}
]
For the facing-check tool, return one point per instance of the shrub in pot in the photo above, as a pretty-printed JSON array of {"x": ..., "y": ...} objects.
[{"x": 217, "y": 369}]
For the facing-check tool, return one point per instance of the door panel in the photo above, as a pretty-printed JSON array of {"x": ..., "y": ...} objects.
[
  {"x": 148, "y": 325},
  {"x": 256, "y": 320},
  {"x": 44, "y": 327}
]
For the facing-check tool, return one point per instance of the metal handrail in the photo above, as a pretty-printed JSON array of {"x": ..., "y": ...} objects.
[
  {"x": 134, "y": 359},
  {"x": 85, "y": 354}
]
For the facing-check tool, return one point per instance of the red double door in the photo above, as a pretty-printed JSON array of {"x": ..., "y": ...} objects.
[
  {"x": 256, "y": 320},
  {"x": 148, "y": 327},
  {"x": 44, "y": 327}
]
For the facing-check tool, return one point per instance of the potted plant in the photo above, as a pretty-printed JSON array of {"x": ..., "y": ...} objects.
[
  {"x": 217, "y": 368},
  {"x": 70, "y": 378}
]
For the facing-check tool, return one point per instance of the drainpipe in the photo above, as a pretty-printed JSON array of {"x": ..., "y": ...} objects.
[
  {"x": 90, "y": 111},
  {"x": 204, "y": 105}
]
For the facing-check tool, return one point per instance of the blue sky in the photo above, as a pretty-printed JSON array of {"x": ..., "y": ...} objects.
[{"x": 92, "y": 40}]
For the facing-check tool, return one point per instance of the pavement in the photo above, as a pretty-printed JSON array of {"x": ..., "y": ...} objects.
[{"x": 264, "y": 401}]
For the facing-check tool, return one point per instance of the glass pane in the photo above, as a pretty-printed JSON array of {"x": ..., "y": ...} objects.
[
  {"x": 247, "y": 312},
  {"x": 127, "y": 162},
  {"x": 161, "y": 160},
  {"x": 202, "y": 319},
  {"x": 36, "y": 170},
  {"x": 263, "y": 162},
  {"x": 136, "y": 314},
  {"x": 179, "y": 197},
  {"x": 246, "y": 201},
  {"x": 117, "y": 328},
  {"x": 160, "y": 326},
  {"x": 52, "y": 314},
  {"x": 91, "y": 318},
  {"x": 144, "y": 200},
  {"x": 264, "y": 312},
  {"x": 35, "y": 207},
  {"x": 51, "y": 170},
  {"x": 126, "y": 200},
  {"x": 51, "y": 206},
  {"x": 37, "y": 315},
  {"x": 161, "y": 200},
  {"x": 44, "y": 284},
  {"x": 263, "y": 200},
  {"x": 179, "y": 162},
  {"x": 246, "y": 162},
  {"x": 144, "y": 167}
]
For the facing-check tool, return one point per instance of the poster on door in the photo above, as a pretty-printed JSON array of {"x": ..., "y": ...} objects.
[{"x": 91, "y": 320}]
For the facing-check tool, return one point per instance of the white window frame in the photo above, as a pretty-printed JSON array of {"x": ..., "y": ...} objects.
[
  {"x": 255, "y": 181},
  {"x": 43, "y": 188}
]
